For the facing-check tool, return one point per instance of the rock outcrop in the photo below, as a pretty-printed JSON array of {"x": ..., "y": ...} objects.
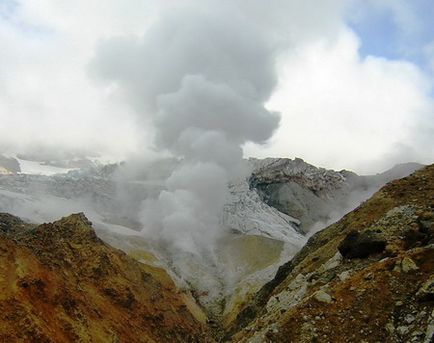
[{"x": 316, "y": 196}]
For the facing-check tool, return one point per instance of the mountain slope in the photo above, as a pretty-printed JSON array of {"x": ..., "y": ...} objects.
[
  {"x": 60, "y": 283},
  {"x": 316, "y": 196},
  {"x": 113, "y": 196},
  {"x": 368, "y": 277}
]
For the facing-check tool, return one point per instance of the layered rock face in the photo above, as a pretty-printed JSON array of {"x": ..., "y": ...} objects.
[
  {"x": 367, "y": 278},
  {"x": 316, "y": 196},
  {"x": 60, "y": 283}
]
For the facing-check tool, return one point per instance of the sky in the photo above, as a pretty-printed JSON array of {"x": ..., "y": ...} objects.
[{"x": 353, "y": 86}]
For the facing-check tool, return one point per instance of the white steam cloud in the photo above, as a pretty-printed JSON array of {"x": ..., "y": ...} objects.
[{"x": 201, "y": 74}]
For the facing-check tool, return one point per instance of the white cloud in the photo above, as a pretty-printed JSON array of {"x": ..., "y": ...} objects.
[
  {"x": 341, "y": 111},
  {"x": 338, "y": 110},
  {"x": 47, "y": 98}
]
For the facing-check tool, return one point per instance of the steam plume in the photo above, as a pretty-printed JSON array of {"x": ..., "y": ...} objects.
[{"x": 201, "y": 74}]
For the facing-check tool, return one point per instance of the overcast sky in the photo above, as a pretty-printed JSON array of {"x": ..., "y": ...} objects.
[{"x": 354, "y": 89}]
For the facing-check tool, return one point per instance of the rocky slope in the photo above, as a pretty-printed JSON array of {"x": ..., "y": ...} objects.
[
  {"x": 60, "y": 283},
  {"x": 316, "y": 196},
  {"x": 268, "y": 214},
  {"x": 367, "y": 278},
  {"x": 113, "y": 204}
]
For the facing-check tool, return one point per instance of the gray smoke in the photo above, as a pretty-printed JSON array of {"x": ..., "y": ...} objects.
[{"x": 201, "y": 75}]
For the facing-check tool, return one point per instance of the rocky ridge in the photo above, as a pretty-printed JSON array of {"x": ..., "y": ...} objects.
[
  {"x": 367, "y": 278},
  {"x": 60, "y": 283}
]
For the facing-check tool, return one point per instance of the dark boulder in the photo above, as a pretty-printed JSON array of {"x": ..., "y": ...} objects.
[{"x": 361, "y": 244}]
